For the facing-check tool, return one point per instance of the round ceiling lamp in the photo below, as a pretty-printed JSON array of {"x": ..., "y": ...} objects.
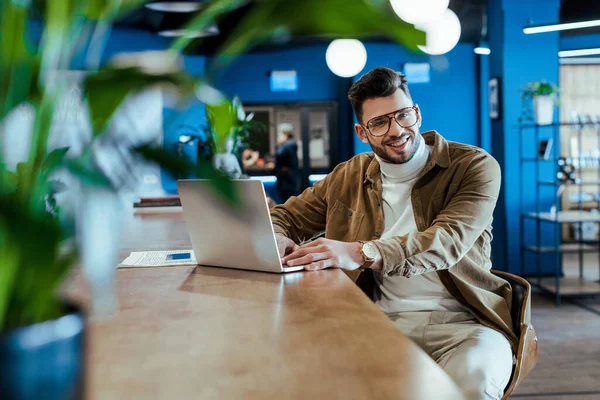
[
  {"x": 442, "y": 33},
  {"x": 174, "y": 6},
  {"x": 211, "y": 30},
  {"x": 346, "y": 57},
  {"x": 419, "y": 11}
]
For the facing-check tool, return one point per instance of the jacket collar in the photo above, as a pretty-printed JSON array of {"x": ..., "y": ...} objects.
[{"x": 440, "y": 155}]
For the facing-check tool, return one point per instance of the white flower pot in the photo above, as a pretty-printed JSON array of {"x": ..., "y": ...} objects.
[
  {"x": 228, "y": 164},
  {"x": 544, "y": 109}
]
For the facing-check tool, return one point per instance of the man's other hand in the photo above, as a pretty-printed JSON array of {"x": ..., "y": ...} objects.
[
  {"x": 285, "y": 245},
  {"x": 326, "y": 253}
]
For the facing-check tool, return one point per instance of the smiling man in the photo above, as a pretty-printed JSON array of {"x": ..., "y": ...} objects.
[{"x": 413, "y": 219}]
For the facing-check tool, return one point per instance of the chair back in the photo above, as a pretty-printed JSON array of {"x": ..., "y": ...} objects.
[{"x": 527, "y": 352}]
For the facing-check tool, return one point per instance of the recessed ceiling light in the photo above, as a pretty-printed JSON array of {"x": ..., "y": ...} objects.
[
  {"x": 484, "y": 51},
  {"x": 561, "y": 27},
  {"x": 175, "y": 6},
  {"x": 579, "y": 52},
  {"x": 212, "y": 30}
]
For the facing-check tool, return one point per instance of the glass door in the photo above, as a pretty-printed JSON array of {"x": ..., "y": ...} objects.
[{"x": 314, "y": 127}]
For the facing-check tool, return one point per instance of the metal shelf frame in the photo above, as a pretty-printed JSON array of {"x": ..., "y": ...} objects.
[{"x": 563, "y": 286}]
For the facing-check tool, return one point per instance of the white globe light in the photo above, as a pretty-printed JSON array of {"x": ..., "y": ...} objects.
[
  {"x": 419, "y": 11},
  {"x": 442, "y": 34},
  {"x": 346, "y": 57}
]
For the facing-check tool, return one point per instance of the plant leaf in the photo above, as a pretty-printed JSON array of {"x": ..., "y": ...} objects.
[
  {"x": 42, "y": 187},
  {"x": 18, "y": 66},
  {"x": 8, "y": 181},
  {"x": 105, "y": 90},
  {"x": 84, "y": 168},
  {"x": 9, "y": 263},
  {"x": 222, "y": 118},
  {"x": 54, "y": 160},
  {"x": 326, "y": 18},
  {"x": 36, "y": 239},
  {"x": 206, "y": 17},
  {"x": 179, "y": 167}
]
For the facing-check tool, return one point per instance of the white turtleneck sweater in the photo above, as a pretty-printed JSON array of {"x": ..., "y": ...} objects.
[{"x": 423, "y": 292}]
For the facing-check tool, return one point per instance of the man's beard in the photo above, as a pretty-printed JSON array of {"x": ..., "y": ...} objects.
[{"x": 380, "y": 151}]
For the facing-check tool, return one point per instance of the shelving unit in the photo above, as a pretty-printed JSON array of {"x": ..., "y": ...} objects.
[{"x": 562, "y": 283}]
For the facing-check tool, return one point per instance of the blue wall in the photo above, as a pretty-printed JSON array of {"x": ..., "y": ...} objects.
[
  {"x": 448, "y": 102},
  {"x": 248, "y": 76},
  {"x": 485, "y": 126},
  {"x": 518, "y": 59},
  {"x": 580, "y": 42}
]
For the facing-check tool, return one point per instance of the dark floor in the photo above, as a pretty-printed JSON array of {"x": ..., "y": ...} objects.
[{"x": 569, "y": 351}]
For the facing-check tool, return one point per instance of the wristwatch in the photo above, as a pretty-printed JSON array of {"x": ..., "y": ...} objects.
[{"x": 369, "y": 253}]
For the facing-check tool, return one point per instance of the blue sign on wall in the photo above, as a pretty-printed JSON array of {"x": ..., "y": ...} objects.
[
  {"x": 284, "y": 81},
  {"x": 417, "y": 72}
]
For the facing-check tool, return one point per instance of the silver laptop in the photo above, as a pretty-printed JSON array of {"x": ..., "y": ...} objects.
[{"x": 223, "y": 236}]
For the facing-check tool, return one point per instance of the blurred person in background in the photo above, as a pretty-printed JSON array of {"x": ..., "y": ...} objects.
[
  {"x": 411, "y": 222},
  {"x": 286, "y": 168}
]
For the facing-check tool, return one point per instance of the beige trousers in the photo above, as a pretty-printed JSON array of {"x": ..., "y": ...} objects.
[{"x": 479, "y": 359}]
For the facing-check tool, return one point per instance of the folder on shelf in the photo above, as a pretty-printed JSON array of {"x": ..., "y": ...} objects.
[
  {"x": 545, "y": 149},
  {"x": 165, "y": 201}
]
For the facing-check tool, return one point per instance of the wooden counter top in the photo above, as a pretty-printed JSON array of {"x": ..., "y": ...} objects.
[{"x": 212, "y": 333}]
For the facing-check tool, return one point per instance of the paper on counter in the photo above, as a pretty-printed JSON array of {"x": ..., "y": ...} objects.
[{"x": 156, "y": 259}]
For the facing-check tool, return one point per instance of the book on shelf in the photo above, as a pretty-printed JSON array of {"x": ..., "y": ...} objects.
[
  {"x": 545, "y": 149},
  {"x": 165, "y": 201}
]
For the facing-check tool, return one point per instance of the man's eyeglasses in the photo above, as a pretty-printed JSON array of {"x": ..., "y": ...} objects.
[{"x": 405, "y": 117}]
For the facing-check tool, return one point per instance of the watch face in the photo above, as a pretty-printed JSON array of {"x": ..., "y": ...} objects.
[{"x": 370, "y": 250}]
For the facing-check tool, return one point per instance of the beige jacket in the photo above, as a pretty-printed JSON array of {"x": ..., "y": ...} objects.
[{"x": 453, "y": 201}]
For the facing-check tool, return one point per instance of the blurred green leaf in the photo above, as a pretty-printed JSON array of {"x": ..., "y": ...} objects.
[
  {"x": 327, "y": 18},
  {"x": 209, "y": 15},
  {"x": 242, "y": 132},
  {"x": 54, "y": 160},
  {"x": 106, "y": 90},
  {"x": 61, "y": 25},
  {"x": 100, "y": 9},
  {"x": 30, "y": 245},
  {"x": 39, "y": 142},
  {"x": 176, "y": 166},
  {"x": 222, "y": 118},
  {"x": 9, "y": 263},
  {"x": 238, "y": 108},
  {"x": 93, "y": 10},
  {"x": 222, "y": 185},
  {"x": 43, "y": 186},
  {"x": 18, "y": 66},
  {"x": 173, "y": 165},
  {"x": 108, "y": 9},
  {"x": 84, "y": 168},
  {"x": 23, "y": 171},
  {"x": 8, "y": 181}
]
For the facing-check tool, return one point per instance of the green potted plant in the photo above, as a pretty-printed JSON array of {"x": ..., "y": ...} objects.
[
  {"x": 544, "y": 96},
  {"x": 42, "y": 334},
  {"x": 229, "y": 130}
]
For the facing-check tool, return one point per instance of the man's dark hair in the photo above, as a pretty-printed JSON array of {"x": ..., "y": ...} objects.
[{"x": 379, "y": 82}]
